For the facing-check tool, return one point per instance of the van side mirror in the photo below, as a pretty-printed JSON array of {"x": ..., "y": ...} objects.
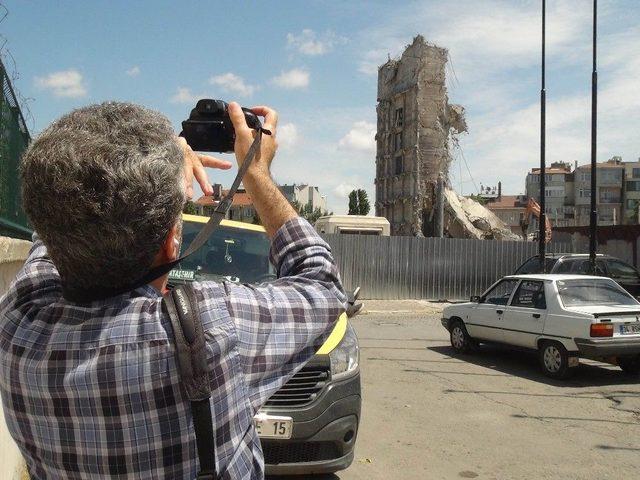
[{"x": 475, "y": 299}]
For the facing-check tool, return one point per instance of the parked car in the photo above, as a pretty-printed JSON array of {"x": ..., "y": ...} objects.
[
  {"x": 563, "y": 317},
  {"x": 310, "y": 425},
  {"x": 578, "y": 263}
]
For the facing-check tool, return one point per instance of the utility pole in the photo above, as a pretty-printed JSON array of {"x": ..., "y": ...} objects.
[
  {"x": 542, "y": 237},
  {"x": 593, "y": 220},
  {"x": 439, "y": 214}
]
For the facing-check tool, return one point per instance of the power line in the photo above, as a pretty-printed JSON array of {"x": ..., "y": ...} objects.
[{"x": 467, "y": 165}]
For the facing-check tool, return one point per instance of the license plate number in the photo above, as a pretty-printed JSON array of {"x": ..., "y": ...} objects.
[
  {"x": 272, "y": 426},
  {"x": 629, "y": 329},
  {"x": 182, "y": 274}
]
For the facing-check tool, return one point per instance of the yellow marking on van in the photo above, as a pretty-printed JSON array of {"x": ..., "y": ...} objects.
[
  {"x": 225, "y": 223},
  {"x": 336, "y": 336}
]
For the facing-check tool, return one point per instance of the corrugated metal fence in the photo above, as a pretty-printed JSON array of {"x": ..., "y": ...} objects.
[{"x": 427, "y": 268}]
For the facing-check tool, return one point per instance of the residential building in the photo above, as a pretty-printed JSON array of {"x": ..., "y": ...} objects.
[
  {"x": 559, "y": 191},
  {"x": 510, "y": 209},
  {"x": 610, "y": 189},
  {"x": 631, "y": 193},
  {"x": 568, "y": 194},
  {"x": 241, "y": 210},
  {"x": 305, "y": 195}
]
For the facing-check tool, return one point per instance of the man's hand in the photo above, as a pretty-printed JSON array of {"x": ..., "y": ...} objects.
[
  {"x": 274, "y": 210},
  {"x": 194, "y": 166},
  {"x": 245, "y": 135}
]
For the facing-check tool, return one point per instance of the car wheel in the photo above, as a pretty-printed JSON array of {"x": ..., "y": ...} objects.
[
  {"x": 630, "y": 365},
  {"x": 460, "y": 339},
  {"x": 554, "y": 360}
]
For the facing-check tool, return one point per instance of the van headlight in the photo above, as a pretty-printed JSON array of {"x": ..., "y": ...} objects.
[{"x": 345, "y": 358}]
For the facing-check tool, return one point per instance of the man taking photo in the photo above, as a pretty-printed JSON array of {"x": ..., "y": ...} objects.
[{"x": 91, "y": 389}]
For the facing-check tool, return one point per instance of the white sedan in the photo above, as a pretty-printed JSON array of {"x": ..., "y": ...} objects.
[{"x": 563, "y": 317}]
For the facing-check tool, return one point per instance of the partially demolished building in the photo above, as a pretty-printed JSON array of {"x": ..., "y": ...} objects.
[{"x": 414, "y": 132}]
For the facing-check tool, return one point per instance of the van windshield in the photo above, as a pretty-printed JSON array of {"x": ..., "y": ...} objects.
[
  {"x": 578, "y": 293},
  {"x": 230, "y": 253}
]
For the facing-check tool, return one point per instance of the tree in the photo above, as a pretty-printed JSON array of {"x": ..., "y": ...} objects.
[
  {"x": 308, "y": 212},
  {"x": 190, "y": 208},
  {"x": 353, "y": 203},
  {"x": 359, "y": 202},
  {"x": 478, "y": 198},
  {"x": 363, "y": 202}
]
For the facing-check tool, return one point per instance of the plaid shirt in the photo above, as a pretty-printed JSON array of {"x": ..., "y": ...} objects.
[{"x": 93, "y": 390}]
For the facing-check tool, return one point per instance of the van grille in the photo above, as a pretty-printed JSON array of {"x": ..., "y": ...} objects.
[
  {"x": 303, "y": 388},
  {"x": 276, "y": 453}
]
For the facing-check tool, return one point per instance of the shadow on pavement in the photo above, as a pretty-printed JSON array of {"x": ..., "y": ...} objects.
[
  {"x": 330, "y": 476},
  {"x": 524, "y": 364},
  {"x": 611, "y": 447}
]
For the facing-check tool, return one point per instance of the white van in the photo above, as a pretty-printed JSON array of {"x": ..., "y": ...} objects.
[{"x": 353, "y": 225}]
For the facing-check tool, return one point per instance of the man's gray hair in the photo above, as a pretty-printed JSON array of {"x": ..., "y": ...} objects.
[{"x": 102, "y": 186}]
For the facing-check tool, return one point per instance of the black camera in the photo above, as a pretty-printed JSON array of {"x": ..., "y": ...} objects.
[{"x": 209, "y": 128}]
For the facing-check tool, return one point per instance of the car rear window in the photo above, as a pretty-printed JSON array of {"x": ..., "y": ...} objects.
[
  {"x": 578, "y": 292},
  {"x": 581, "y": 266}
]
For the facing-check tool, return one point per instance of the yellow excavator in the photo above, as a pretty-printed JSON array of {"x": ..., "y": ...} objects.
[{"x": 533, "y": 208}]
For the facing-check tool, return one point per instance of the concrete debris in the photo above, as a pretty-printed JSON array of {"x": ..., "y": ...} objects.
[
  {"x": 456, "y": 118},
  {"x": 416, "y": 128},
  {"x": 466, "y": 218}
]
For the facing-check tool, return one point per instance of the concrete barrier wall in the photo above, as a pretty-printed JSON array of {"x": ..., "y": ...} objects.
[
  {"x": 621, "y": 241},
  {"x": 13, "y": 253}
]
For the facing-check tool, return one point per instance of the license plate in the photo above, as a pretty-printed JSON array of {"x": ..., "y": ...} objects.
[
  {"x": 272, "y": 426},
  {"x": 630, "y": 329},
  {"x": 182, "y": 274}
]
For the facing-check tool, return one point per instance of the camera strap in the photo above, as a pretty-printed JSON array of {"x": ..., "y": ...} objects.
[
  {"x": 96, "y": 293},
  {"x": 191, "y": 356}
]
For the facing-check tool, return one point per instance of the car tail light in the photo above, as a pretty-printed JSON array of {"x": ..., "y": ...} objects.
[{"x": 601, "y": 330}]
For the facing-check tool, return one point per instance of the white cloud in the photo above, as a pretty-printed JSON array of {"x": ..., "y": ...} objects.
[
  {"x": 230, "y": 82},
  {"x": 295, "y": 78},
  {"x": 361, "y": 137},
  {"x": 287, "y": 135},
  {"x": 184, "y": 95},
  {"x": 344, "y": 189},
  {"x": 508, "y": 145},
  {"x": 317, "y": 159},
  {"x": 133, "y": 71},
  {"x": 493, "y": 71},
  {"x": 66, "y": 83},
  {"x": 481, "y": 36},
  {"x": 308, "y": 42}
]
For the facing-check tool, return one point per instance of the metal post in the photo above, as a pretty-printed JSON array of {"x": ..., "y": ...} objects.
[
  {"x": 439, "y": 214},
  {"x": 542, "y": 237},
  {"x": 593, "y": 220}
]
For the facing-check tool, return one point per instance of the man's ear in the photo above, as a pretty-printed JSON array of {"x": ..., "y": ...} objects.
[{"x": 171, "y": 246}]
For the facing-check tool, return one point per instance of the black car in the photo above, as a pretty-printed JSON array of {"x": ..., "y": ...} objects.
[{"x": 578, "y": 263}]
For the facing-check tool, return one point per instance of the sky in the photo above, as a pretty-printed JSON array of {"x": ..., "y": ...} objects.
[{"x": 316, "y": 63}]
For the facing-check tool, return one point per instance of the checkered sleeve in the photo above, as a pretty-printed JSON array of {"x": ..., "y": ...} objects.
[
  {"x": 38, "y": 251},
  {"x": 282, "y": 324},
  {"x": 38, "y": 273}
]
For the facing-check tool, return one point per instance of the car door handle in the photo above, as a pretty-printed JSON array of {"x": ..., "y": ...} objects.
[
  {"x": 536, "y": 315},
  {"x": 499, "y": 312}
]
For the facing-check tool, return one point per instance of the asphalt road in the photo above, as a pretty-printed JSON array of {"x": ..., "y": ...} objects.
[{"x": 430, "y": 415}]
